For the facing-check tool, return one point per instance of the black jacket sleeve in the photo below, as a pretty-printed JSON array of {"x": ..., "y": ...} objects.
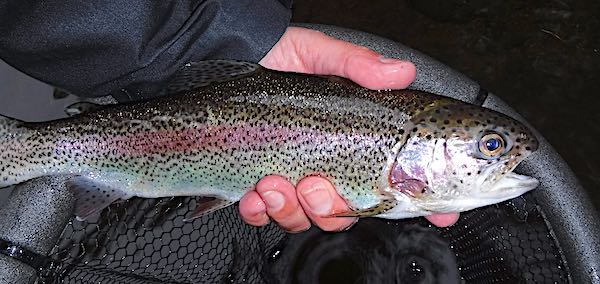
[{"x": 95, "y": 48}]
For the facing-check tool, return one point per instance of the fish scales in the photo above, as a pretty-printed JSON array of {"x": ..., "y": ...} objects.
[
  {"x": 219, "y": 140},
  {"x": 227, "y": 137}
]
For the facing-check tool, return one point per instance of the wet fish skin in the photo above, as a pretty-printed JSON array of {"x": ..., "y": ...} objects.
[{"x": 220, "y": 139}]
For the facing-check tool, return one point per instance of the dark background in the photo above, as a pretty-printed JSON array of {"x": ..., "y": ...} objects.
[{"x": 541, "y": 57}]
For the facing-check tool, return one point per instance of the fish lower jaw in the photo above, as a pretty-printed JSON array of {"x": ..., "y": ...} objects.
[
  {"x": 509, "y": 186},
  {"x": 393, "y": 215}
]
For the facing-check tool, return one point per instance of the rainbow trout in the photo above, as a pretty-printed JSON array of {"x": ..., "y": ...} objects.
[{"x": 390, "y": 154}]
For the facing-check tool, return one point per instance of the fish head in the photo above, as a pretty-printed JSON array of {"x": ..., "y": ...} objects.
[{"x": 457, "y": 157}]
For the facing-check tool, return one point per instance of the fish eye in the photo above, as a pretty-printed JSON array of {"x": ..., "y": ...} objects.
[{"x": 492, "y": 145}]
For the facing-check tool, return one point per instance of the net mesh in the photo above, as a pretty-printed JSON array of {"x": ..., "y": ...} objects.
[
  {"x": 147, "y": 241},
  {"x": 506, "y": 243}
]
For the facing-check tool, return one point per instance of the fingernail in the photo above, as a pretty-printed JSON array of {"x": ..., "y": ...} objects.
[
  {"x": 274, "y": 200},
  {"x": 318, "y": 199},
  {"x": 253, "y": 209},
  {"x": 398, "y": 74}
]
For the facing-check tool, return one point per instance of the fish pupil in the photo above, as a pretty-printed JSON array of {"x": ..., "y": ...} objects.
[{"x": 492, "y": 144}]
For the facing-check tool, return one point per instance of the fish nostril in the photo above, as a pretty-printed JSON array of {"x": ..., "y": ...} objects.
[
  {"x": 531, "y": 145},
  {"x": 534, "y": 145}
]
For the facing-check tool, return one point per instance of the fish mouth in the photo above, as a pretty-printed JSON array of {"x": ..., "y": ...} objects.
[{"x": 512, "y": 185}]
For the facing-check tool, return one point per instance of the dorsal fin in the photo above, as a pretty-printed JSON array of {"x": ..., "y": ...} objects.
[{"x": 204, "y": 73}]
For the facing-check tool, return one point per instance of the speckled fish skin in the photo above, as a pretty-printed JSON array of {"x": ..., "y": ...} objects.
[{"x": 219, "y": 140}]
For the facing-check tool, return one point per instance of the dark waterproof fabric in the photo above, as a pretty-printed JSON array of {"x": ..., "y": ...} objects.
[{"x": 130, "y": 48}]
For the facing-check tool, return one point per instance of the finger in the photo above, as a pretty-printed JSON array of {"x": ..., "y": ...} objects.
[
  {"x": 319, "y": 199},
  {"x": 308, "y": 51},
  {"x": 443, "y": 219},
  {"x": 253, "y": 209},
  {"x": 282, "y": 204},
  {"x": 363, "y": 66}
]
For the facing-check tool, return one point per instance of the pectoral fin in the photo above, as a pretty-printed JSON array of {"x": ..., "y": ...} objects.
[
  {"x": 380, "y": 208},
  {"x": 208, "y": 205},
  {"x": 92, "y": 196}
]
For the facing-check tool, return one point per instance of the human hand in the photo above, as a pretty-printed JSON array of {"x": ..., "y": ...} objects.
[{"x": 308, "y": 51}]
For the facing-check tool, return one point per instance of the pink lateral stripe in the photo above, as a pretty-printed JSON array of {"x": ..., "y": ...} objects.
[{"x": 211, "y": 138}]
